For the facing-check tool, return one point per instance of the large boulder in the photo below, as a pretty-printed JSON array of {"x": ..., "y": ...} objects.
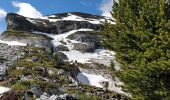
[
  {"x": 59, "y": 57},
  {"x": 61, "y": 48},
  {"x": 36, "y": 90},
  {"x": 83, "y": 47},
  {"x": 88, "y": 40}
]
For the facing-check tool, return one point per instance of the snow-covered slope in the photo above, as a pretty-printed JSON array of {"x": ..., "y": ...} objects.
[
  {"x": 99, "y": 56},
  {"x": 59, "y": 27}
]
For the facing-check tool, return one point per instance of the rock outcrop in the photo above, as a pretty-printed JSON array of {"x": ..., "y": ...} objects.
[
  {"x": 26, "y": 37},
  {"x": 53, "y": 23},
  {"x": 8, "y": 55},
  {"x": 22, "y": 29},
  {"x": 89, "y": 41}
]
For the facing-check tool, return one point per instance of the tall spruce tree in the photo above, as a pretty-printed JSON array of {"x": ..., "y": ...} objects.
[{"x": 141, "y": 39}]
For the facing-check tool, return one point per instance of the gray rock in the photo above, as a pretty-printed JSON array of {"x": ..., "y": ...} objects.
[
  {"x": 8, "y": 55},
  {"x": 34, "y": 59},
  {"x": 74, "y": 71},
  {"x": 28, "y": 96},
  {"x": 91, "y": 38},
  {"x": 45, "y": 96},
  {"x": 26, "y": 37},
  {"x": 62, "y": 48},
  {"x": 60, "y": 57},
  {"x": 50, "y": 72},
  {"x": 36, "y": 90},
  {"x": 55, "y": 92},
  {"x": 84, "y": 47},
  {"x": 3, "y": 73}
]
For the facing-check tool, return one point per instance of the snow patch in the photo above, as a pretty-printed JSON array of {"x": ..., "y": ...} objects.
[
  {"x": 99, "y": 56},
  {"x": 97, "y": 80},
  {"x": 4, "y": 89},
  {"x": 13, "y": 43},
  {"x": 91, "y": 79}
]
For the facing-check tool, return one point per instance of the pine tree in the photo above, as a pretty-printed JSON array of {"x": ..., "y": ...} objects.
[{"x": 141, "y": 39}]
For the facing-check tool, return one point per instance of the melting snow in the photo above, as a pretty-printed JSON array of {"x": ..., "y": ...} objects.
[
  {"x": 3, "y": 90},
  {"x": 13, "y": 43}
]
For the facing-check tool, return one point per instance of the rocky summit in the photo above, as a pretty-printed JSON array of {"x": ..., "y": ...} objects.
[{"x": 57, "y": 57}]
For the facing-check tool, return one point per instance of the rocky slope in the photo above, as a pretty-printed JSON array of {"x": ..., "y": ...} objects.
[{"x": 57, "y": 57}]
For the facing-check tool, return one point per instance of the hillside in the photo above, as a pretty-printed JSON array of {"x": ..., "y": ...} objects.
[{"x": 57, "y": 57}]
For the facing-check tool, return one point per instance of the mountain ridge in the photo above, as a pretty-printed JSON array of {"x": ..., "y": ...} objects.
[{"x": 54, "y": 23}]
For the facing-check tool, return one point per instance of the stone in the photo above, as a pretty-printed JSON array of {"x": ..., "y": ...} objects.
[
  {"x": 91, "y": 38},
  {"x": 84, "y": 47},
  {"x": 28, "y": 96},
  {"x": 44, "y": 96},
  {"x": 36, "y": 90},
  {"x": 50, "y": 72},
  {"x": 62, "y": 48},
  {"x": 34, "y": 59},
  {"x": 3, "y": 73},
  {"x": 60, "y": 57}
]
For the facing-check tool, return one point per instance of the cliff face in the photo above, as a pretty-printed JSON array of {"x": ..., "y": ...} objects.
[
  {"x": 22, "y": 29},
  {"x": 55, "y": 24}
]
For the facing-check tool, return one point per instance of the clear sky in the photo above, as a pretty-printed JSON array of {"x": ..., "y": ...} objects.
[{"x": 38, "y": 8}]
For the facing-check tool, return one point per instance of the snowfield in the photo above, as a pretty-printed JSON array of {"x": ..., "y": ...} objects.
[
  {"x": 4, "y": 89},
  {"x": 13, "y": 43}
]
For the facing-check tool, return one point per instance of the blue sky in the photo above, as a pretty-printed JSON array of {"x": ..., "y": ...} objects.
[{"x": 38, "y": 8}]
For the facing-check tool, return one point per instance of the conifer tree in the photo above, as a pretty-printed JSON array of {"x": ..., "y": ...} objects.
[{"x": 141, "y": 39}]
